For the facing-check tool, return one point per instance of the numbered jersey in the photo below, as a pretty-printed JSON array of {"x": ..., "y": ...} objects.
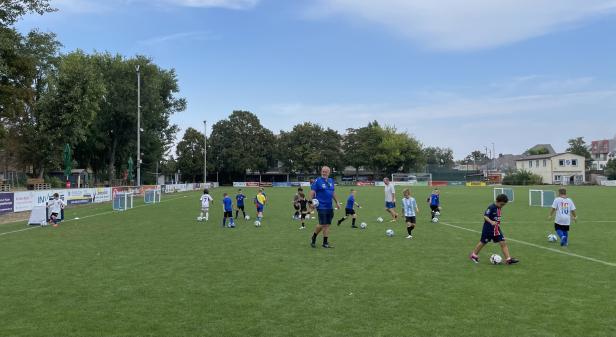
[
  {"x": 205, "y": 201},
  {"x": 563, "y": 207}
]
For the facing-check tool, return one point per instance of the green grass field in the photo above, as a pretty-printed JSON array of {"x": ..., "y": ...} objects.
[{"x": 155, "y": 270}]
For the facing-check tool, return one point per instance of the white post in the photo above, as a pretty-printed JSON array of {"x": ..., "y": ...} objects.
[{"x": 138, "y": 125}]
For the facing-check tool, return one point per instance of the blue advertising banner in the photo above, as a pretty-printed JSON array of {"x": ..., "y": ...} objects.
[{"x": 7, "y": 201}]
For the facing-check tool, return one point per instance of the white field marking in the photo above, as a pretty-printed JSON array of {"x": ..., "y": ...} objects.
[
  {"x": 611, "y": 264},
  {"x": 480, "y": 220},
  {"x": 85, "y": 217}
]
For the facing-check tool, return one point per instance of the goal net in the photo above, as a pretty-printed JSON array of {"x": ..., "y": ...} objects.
[
  {"x": 506, "y": 191},
  {"x": 410, "y": 179},
  {"x": 151, "y": 196},
  {"x": 541, "y": 198},
  {"x": 122, "y": 201}
]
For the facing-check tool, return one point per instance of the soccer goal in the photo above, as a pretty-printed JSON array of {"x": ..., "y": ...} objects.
[
  {"x": 506, "y": 191},
  {"x": 151, "y": 196},
  {"x": 410, "y": 179},
  {"x": 122, "y": 201},
  {"x": 541, "y": 198}
]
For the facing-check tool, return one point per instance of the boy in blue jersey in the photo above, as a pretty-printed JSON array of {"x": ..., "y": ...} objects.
[
  {"x": 435, "y": 202},
  {"x": 350, "y": 209},
  {"x": 323, "y": 192},
  {"x": 228, "y": 209},
  {"x": 239, "y": 203},
  {"x": 410, "y": 212},
  {"x": 491, "y": 230}
]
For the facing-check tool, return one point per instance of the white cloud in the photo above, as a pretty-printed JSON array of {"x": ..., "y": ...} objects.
[
  {"x": 183, "y": 36},
  {"x": 229, "y": 4},
  {"x": 81, "y": 6},
  {"x": 470, "y": 24},
  {"x": 95, "y": 6}
]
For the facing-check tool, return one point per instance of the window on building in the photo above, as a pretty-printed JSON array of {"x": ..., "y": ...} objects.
[
  {"x": 537, "y": 162},
  {"x": 561, "y": 162},
  {"x": 574, "y": 162},
  {"x": 530, "y": 163},
  {"x": 557, "y": 178},
  {"x": 545, "y": 163}
]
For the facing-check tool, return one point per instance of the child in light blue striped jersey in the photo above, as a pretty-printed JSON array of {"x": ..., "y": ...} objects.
[{"x": 410, "y": 211}]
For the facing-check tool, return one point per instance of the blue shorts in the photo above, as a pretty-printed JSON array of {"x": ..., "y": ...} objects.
[
  {"x": 390, "y": 205},
  {"x": 325, "y": 216},
  {"x": 259, "y": 208},
  {"x": 487, "y": 234}
]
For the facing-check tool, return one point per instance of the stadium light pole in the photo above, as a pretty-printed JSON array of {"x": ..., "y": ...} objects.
[
  {"x": 204, "y": 152},
  {"x": 493, "y": 157},
  {"x": 138, "y": 125}
]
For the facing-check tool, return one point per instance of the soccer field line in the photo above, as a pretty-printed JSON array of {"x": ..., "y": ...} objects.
[
  {"x": 611, "y": 264},
  {"x": 551, "y": 222},
  {"x": 86, "y": 217}
]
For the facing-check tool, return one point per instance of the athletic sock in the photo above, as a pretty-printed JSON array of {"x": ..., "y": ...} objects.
[
  {"x": 224, "y": 221},
  {"x": 325, "y": 240},
  {"x": 341, "y": 220},
  {"x": 303, "y": 225},
  {"x": 207, "y": 215},
  {"x": 354, "y": 222},
  {"x": 237, "y": 213},
  {"x": 409, "y": 230},
  {"x": 314, "y": 237},
  {"x": 201, "y": 216}
]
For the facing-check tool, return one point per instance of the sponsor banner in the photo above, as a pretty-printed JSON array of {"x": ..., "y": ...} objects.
[
  {"x": 439, "y": 183},
  {"x": 282, "y": 184},
  {"x": 407, "y": 183},
  {"x": 476, "y": 184},
  {"x": 239, "y": 184},
  {"x": 252, "y": 184},
  {"x": 27, "y": 200},
  {"x": 379, "y": 183},
  {"x": 304, "y": 184},
  {"x": 365, "y": 183},
  {"x": 456, "y": 183},
  {"x": 6, "y": 203},
  {"x": 610, "y": 183},
  {"x": 264, "y": 184},
  {"x": 23, "y": 201}
]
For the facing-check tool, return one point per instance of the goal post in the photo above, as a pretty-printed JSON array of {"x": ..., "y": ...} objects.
[
  {"x": 506, "y": 191},
  {"x": 122, "y": 201},
  {"x": 151, "y": 196},
  {"x": 541, "y": 198},
  {"x": 412, "y": 179}
]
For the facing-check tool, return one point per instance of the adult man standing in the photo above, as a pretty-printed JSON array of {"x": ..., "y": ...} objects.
[
  {"x": 322, "y": 193},
  {"x": 390, "y": 199}
]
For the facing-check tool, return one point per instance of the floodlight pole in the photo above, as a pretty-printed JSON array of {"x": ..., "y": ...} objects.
[
  {"x": 138, "y": 125},
  {"x": 493, "y": 156},
  {"x": 204, "y": 152}
]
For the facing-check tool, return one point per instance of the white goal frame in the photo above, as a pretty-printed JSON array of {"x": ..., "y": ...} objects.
[
  {"x": 543, "y": 199},
  {"x": 502, "y": 190},
  {"x": 123, "y": 196},
  {"x": 411, "y": 179},
  {"x": 151, "y": 196}
]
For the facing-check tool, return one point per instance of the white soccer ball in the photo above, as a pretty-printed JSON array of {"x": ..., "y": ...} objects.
[
  {"x": 308, "y": 216},
  {"x": 199, "y": 218},
  {"x": 257, "y": 223},
  {"x": 435, "y": 220},
  {"x": 315, "y": 202},
  {"x": 379, "y": 219},
  {"x": 495, "y": 259},
  {"x": 437, "y": 213},
  {"x": 247, "y": 217},
  {"x": 552, "y": 238},
  {"x": 389, "y": 232},
  {"x": 363, "y": 225}
]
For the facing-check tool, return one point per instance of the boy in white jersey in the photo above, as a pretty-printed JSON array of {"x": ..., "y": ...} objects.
[
  {"x": 564, "y": 208},
  {"x": 410, "y": 211},
  {"x": 55, "y": 206},
  {"x": 206, "y": 199}
]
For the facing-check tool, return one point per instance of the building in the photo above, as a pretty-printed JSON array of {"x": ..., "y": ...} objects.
[
  {"x": 602, "y": 151},
  {"x": 557, "y": 169}
]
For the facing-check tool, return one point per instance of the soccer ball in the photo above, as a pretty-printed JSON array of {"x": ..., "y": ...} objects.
[
  {"x": 308, "y": 216},
  {"x": 247, "y": 217},
  {"x": 389, "y": 232},
  {"x": 199, "y": 218},
  {"x": 363, "y": 225},
  {"x": 379, "y": 219},
  {"x": 495, "y": 259},
  {"x": 552, "y": 238},
  {"x": 257, "y": 223},
  {"x": 315, "y": 202},
  {"x": 435, "y": 220},
  {"x": 437, "y": 213}
]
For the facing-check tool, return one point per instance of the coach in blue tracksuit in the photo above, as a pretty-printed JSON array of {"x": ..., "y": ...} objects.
[{"x": 322, "y": 195}]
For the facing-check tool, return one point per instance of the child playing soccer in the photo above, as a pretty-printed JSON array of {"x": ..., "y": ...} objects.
[
  {"x": 491, "y": 230},
  {"x": 410, "y": 211},
  {"x": 206, "y": 198},
  {"x": 564, "y": 208},
  {"x": 260, "y": 204},
  {"x": 239, "y": 201},
  {"x": 435, "y": 202},
  {"x": 55, "y": 206},
  {"x": 303, "y": 208},
  {"x": 228, "y": 209},
  {"x": 296, "y": 204},
  {"x": 349, "y": 209}
]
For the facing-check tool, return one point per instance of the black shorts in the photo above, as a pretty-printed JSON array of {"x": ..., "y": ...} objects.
[
  {"x": 54, "y": 218},
  {"x": 325, "y": 216},
  {"x": 561, "y": 227},
  {"x": 434, "y": 208},
  {"x": 296, "y": 206},
  {"x": 487, "y": 234},
  {"x": 349, "y": 211},
  {"x": 228, "y": 214},
  {"x": 240, "y": 207},
  {"x": 303, "y": 213},
  {"x": 411, "y": 219}
]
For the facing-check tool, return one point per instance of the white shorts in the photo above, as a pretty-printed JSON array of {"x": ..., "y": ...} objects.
[{"x": 205, "y": 209}]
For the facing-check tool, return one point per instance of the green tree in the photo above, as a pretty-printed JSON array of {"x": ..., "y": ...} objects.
[
  {"x": 537, "y": 151},
  {"x": 190, "y": 153},
  {"x": 438, "y": 156},
  {"x": 12, "y": 10},
  {"x": 397, "y": 152},
  {"x": 309, "y": 146},
  {"x": 578, "y": 146},
  {"x": 240, "y": 143},
  {"x": 476, "y": 157},
  {"x": 610, "y": 169},
  {"x": 358, "y": 145}
]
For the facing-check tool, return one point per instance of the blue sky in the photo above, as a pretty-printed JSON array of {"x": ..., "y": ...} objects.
[{"x": 461, "y": 74}]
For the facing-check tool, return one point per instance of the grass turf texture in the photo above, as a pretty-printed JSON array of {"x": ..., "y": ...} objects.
[{"x": 155, "y": 270}]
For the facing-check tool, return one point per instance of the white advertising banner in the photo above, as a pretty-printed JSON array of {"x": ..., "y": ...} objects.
[
  {"x": 27, "y": 200},
  {"x": 611, "y": 183},
  {"x": 239, "y": 184}
]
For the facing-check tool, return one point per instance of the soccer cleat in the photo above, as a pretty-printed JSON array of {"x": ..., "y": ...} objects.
[
  {"x": 409, "y": 237},
  {"x": 302, "y": 227},
  {"x": 313, "y": 245},
  {"x": 353, "y": 226},
  {"x": 474, "y": 258},
  {"x": 512, "y": 260},
  {"x": 326, "y": 245}
]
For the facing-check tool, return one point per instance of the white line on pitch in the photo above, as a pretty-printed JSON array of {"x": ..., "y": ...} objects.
[
  {"x": 85, "y": 217},
  {"x": 547, "y": 221},
  {"x": 539, "y": 246}
]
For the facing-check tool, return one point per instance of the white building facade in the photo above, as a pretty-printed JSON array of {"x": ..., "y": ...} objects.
[{"x": 555, "y": 169}]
